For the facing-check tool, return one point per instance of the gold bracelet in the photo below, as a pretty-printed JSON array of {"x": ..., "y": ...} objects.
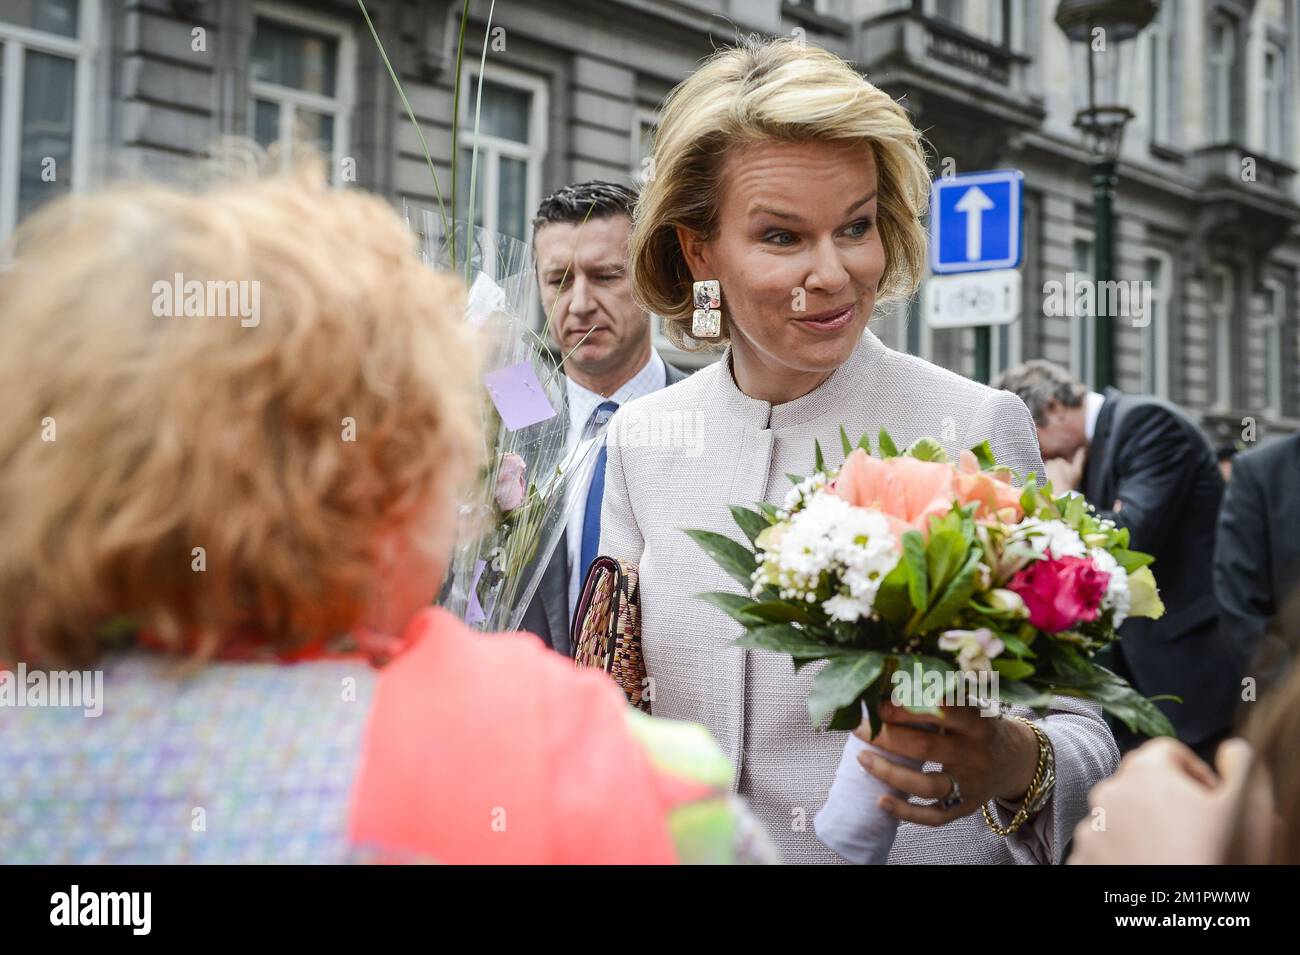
[{"x": 1044, "y": 779}]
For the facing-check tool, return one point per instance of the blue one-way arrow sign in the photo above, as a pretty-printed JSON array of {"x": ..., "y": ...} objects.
[{"x": 975, "y": 221}]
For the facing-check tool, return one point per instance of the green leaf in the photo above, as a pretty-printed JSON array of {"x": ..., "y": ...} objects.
[
  {"x": 1013, "y": 669},
  {"x": 770, "y": 511},
  {"x": 727, "y": 554},
  {"x": 934, "y": 663},
  {"x": 984, "y": 455},
  {"x": 1016, "y": 646},
  {"x": 887, "y": 447},
  {"x": 927, "y": 449},
  {"x": 954, "y": 596},
  {"x": 819, "y": 462},
  {"x": 847, "y": 718},
  {"x": 782, "y": 638},
  {"x": 794, "y": 478},
  {"x": 907, "y": 664},
  {"x": 918, "y": 583},
  {"x": 842, "y": 681},
  {"x": 780, "y": 611},
  {"x": 735, "y": 606},
  {"x": 751, "y": 522},
  {"x": 1131, "y": 560},
  {"x": 1129, "y": 706},
  {"x": 865, "y": 444},
  {"x": 893, "y": 603},
  {"x": 844, "y": 442},
  {"x": 945, "y": 555},
  {"x": 1029, "y": 496},
  {"x": 1023, "y": 694}
]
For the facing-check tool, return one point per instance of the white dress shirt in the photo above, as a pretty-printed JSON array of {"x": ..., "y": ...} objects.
[
  {"x": 1092, "y": 411},
  {"x": 582, "y": 404}
]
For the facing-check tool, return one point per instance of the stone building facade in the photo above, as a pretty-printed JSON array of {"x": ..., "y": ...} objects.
[{"x": 97, "y": 89}]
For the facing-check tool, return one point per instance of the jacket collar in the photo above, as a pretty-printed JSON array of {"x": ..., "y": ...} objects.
[{"x": 844, "y": 386}]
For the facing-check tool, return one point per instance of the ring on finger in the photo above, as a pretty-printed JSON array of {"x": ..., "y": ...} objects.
[{"x": 954, "y": 796}]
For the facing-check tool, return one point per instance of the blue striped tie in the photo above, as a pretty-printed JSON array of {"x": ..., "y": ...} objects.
[{"x": 591, "y": 516}]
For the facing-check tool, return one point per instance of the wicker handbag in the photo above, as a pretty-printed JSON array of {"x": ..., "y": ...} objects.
[{"x": 607, "y": 627}]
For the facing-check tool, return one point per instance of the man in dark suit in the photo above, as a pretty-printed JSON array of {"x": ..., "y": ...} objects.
[
  {"x": 1145, "y": 465},
  {"x": 580, "y": 239},
  {"x": 1257, "y": 554}
]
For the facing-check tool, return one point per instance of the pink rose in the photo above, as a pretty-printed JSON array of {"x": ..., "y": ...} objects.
[
  {"x": 510, "y": 483},
  {"x": 1060, "y": 592}
]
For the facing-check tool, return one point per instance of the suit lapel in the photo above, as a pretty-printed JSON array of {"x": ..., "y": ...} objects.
[
  {"x": 1098, "y": 465},
  {"x": 554, "y": 592}
]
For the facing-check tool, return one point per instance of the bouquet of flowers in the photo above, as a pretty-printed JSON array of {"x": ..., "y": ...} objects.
[
  {"x": 908, "y": 563},
  {"x": 512, "y": 517}
]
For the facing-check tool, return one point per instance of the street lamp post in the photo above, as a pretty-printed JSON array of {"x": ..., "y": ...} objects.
[{"x": 1102, "y": 33}]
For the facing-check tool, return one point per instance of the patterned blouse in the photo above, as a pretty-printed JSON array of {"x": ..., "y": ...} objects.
[{"x": 257, "y": 762}]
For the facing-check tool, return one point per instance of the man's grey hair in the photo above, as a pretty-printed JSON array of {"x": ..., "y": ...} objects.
[{"x": 1039, "y": 383}]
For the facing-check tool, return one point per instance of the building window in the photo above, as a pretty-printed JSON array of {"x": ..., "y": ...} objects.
[
  {"x": 1083, "y": 321},
  {"x": 1220, "y": 68},
  {"x": 45, "y": 88},
  {"x": 1162, "y": 88},
  {"x": 645, "y": 122},
  {"x": 1004, "y": 346},
  {"x": 1003, "y": 23},
  {"x": 1223, "y": 291},
  {"x": 511, "y": 141},
  {"x": 1273, "y": 325},
  {"x": 819, "y": 6},
  {"x": 951, "y": 10},
  {"x": 1158, "y": 269},
  {"x": 1275, "y": 100},
  {"x": 301, "y": 87}
]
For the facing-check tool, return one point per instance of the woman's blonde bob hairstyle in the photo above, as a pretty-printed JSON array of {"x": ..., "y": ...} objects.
[
  {"x": 206, "y": 474},
  {"x": 777, "y": 90}
]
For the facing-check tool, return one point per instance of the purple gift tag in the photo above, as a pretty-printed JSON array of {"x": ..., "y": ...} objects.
[
  {"x": 519, "y": 396},
  {"x": 475, "y": 615}
]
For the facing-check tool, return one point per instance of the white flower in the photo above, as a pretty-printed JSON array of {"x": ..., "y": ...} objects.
[
  {"x": 1116, "y": 597},
  {"x": 799, "y": 495},
  {"x": 846, "y": 608},
  {"x": 1057, "y": 536},
  {"x": 1007, "y": 601},
  {"x": 829, "y": 546},
  {"x": 975, "y": 648}
]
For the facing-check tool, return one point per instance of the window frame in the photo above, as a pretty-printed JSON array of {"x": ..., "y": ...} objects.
[
  {"x": 1162, "y": 76},
  {"x": 642, "y": 116},
  {"x": 15, "y": 41},
  {"x": 492, "y": 148},
  {"x": 1004, "y": 24},
  {"x": 1156, "y": 380},
  {"x": 1083, "y": 354},
  {"x": 1276, "y": 136},
  {"x": 1219, "y": 337},
  {"x": 1222, "y": 115},
  {"x": 1275, "y": 326},
  {"x": 340, "y": 106},
  {"x": 1012, "y": 335},
  {"x": 963, "y": 13}
]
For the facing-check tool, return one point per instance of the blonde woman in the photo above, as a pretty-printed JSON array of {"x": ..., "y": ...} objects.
[
  {"x": 231, "y": 432},
  {"x": 784, "y": 176}
]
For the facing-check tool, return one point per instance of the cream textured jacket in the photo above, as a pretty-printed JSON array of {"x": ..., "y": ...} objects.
[{"x": 678, "y": 458}]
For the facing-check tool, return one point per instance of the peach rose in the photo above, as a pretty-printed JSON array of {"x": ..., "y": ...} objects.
[
  {"x": 994, "y": 492},
  {"x": 904, "y": 489}
]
